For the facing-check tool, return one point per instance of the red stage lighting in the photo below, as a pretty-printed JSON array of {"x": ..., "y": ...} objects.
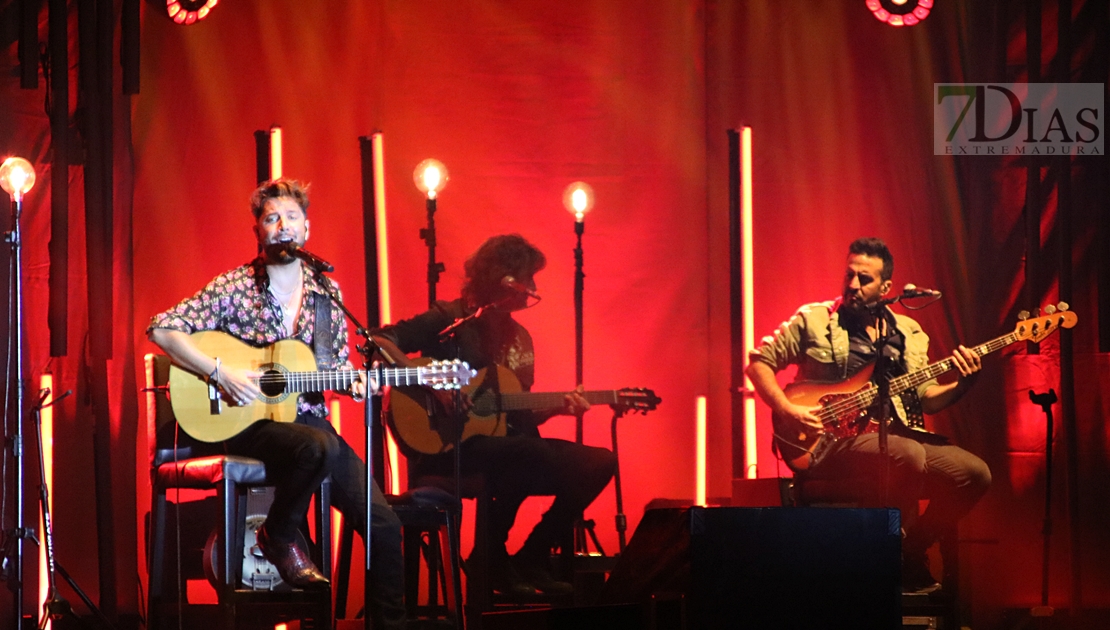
[
  {"x": 189, "y": 11},
  {"x": 900, "y": 12}
]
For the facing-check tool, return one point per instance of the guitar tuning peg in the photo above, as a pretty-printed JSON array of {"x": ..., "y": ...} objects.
[
  {"x": 1050, "y": 309},
  {"x": 1063, "y": 306},
  {"x": 1023, "y": 315}
]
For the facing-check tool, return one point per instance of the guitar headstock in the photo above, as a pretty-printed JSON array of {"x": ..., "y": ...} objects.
[
  {"x": 452, "y": 374},
  {"x": 1037, "y": 328},
  {"x": 636, "y": 399}
]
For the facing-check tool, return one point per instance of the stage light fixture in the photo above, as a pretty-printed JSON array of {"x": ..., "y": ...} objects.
[
  {"x": 17, "y": 177},
  {"x": 188, "y": 11},
  {"x": 900, "y": 12},
  {"x": 430, "y": 177},
  {"x": 578, "y": 199}
]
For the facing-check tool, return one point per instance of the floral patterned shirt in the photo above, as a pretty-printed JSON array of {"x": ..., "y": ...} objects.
[{"x": 240, "y": 303}]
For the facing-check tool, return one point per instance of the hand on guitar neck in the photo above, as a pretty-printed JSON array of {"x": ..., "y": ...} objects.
[
  {"x": 939, "y": 397},
  {"x": 574, "y": 402}
]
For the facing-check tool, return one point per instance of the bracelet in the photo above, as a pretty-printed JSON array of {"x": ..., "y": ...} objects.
[{"x": 214, "y": 377}]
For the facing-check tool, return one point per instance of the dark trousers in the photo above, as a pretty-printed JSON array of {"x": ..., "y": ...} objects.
[
  {"x": 517, "y": 467},
  {"x": 952, "y": 479},
  {"x": 298, "y": 457}
]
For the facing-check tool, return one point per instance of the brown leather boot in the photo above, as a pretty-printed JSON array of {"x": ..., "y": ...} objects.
[{"x": 295, "y": 568}]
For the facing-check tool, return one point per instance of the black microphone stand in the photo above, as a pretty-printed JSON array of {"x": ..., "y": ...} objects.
[
  {"x": 882, "y": 400},
  {"x": 428, "y": 234},
  {"x": 372, "y": 411},
  {"x": 13, "y": 566},
  {"x": 1045, "y": 401},
  {"x": 881, "y": 378}
]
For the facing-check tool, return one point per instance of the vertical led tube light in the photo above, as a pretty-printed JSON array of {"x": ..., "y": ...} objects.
[
  {"x": 751, "y": 452},
  {"x": 700, "y": 445},
  {"x": 377, "y": 148},
  {"x": 46, "y": 382},
  {"x": 275, "y": 152}
]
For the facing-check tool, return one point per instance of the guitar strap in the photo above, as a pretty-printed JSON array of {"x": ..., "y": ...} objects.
[{"x": 323, "y": 341}]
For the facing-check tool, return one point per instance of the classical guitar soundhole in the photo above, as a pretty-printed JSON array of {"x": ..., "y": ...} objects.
[{"x": 273, "y": 383}]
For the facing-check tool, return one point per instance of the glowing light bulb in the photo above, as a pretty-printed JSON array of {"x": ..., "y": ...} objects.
[
  {"x": 578, "y": 199},
  {"x": 17, "y": 177},
  {"x": 430, "y": 177}
]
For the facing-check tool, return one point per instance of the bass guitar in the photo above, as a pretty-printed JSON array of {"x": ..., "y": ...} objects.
[
  {"x": 286, "y": 369},
  {"x": 421, "y": 425},
  {"x": 847, "y": 407}
]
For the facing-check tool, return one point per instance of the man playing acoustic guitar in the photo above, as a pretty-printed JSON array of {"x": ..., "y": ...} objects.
[
  {"x": 499, "y": 280},
  {"x": 273, "y": 298},
  {"x": 833, "y": 341}
]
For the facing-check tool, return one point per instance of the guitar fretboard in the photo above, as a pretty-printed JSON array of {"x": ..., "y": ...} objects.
[
  {"x": 328, "y": 380},
  {"x": 933, "y": 370},
  {"x": 901, "y": 384},
  {"x": 546, "y": 400}
]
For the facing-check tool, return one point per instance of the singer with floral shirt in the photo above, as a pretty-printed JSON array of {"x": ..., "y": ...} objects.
[{"x": 274, "y": 297}]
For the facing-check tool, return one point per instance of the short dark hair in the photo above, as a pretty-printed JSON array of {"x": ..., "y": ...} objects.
[
  {"x": 499, "y": 256},
  {"x": 874, "y": 247},
  {"x": 280, "y": 187}
]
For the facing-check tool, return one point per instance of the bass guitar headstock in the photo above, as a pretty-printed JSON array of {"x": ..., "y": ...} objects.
[{"x": 1037, "y": 328}]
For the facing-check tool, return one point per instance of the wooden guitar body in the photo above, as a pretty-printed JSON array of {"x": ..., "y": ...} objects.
[
  {"x": 189, "y": 392},
  {"x": 286, "y": 368},
  {"x": 421, "y": 423}
]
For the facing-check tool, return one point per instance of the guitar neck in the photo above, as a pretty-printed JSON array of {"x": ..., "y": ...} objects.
[
  {"x": 933, "y": 370},
  {"x": 540, "y": 401},
  {"x": 341, "y": 380}
]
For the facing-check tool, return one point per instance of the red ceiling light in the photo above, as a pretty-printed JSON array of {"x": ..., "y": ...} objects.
[
  {"x": 189, "y": 11},
  {"x": 900, "y": 12}
]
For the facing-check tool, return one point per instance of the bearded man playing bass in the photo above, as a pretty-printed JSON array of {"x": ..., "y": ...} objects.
[{"x": 833, "y": 341}]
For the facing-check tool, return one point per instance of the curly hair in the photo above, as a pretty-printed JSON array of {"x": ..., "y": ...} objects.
[
  {"x": 876, "y": 248},
  {"x": 280, "y": 187},
  {"x": 499, "y": 256}
]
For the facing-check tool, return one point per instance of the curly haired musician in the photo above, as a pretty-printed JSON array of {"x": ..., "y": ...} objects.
[
  {"x": 520, "y": 464},
  {"x": 276, "y": 297},
  {"x": 831, "y": 342}
]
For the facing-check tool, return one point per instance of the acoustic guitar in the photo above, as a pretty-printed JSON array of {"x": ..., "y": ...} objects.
[
  {"x": 847, "y": 407},
  {"x": 286, "y": 369},
  {"x": 421, "y": 425}
]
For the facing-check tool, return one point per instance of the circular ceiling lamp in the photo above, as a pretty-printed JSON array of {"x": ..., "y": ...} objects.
[
  {"x": 900, "y": 12},
  {"x": 188, "y": 11}
]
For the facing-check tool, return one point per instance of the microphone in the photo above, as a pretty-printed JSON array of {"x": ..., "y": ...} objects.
[
  {"x": 914, "y": 291},
  {"x": 512, "y": 283},
  {"x": 312, "y": 260}
]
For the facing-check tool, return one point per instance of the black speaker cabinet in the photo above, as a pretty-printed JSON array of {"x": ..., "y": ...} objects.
[{"x": 780, "y": 568}]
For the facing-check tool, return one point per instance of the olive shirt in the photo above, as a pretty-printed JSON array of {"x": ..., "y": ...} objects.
[{"x": 814, "y": 340}]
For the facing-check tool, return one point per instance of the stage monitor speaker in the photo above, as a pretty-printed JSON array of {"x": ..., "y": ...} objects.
[{"x": 780, "y": 568}]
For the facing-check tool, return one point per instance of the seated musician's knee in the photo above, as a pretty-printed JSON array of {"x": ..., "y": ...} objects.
[
  {"x": 907, "y": 455},
  {"x": 979, "y": 476},
  {"x": 316, "y": 452}
]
